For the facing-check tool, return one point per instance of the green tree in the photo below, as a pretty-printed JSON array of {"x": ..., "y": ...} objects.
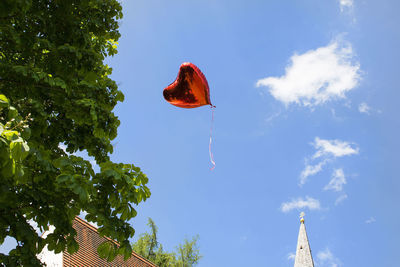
[
  {"x": 188, "y": 253},
  {"x": 55, "y": 89},
  {"x": 147, "y": 245}
]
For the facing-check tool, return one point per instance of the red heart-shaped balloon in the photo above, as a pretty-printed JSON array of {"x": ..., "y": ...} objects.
[{"x": 190, "y": 89}]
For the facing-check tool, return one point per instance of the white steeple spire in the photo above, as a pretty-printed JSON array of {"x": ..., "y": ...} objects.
[{"x": 303, "y": 251}]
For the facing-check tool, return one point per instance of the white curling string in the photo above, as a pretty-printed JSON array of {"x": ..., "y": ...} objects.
[{"x": 209, "y": 145}]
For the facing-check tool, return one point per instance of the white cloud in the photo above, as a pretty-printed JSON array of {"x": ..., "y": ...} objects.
[
  {"x": 346, "y": 4},
  {"x": 326, "y": 151},
  {"x": 316, "y": 76},
  {"x": 370, "y": 220},
  {"x": 364, "y": 108},
  {"x": 310, "y": 170},
  {"x": 340, "y": 199},
  {"x": 337, "y": 181},
  {"x": 270, "y": 118},
  {"x": 335, "y": 148},
  {"x": 291, "y": 256},
  {"x": 325, "y": 255},
  {"x": 300, "y": 203},
  {"x": 326, "y": 258}
]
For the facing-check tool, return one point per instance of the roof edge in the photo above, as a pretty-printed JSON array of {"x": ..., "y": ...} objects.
[{"x": 93, "y": 228}]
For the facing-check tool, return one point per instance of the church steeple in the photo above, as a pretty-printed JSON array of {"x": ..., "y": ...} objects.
[{"x": 303, "y": 251}]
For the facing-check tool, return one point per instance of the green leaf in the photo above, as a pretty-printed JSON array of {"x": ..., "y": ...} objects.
[
  {"x": 72, "y": 246},
  {"x": 62, "y": 81},
  {"x": 91, "y": 77},
  {"x": 3, "y": 101},
  {"x": 107, "y": 250},
  {"x": 26, "y": 133},
  {"x": 8, "y": 169},
  {"x": 133, "y": 212},
  {"x": 83, "y": 195},
  {"x": 19, "y": 149},
  {"x": 125, "y": 213},
  {"x": 62, "y": 178},
  {"x": 103, "y": 249},
  {"x": 61, "y": 162},
  {"x": 10, "y": 135}
]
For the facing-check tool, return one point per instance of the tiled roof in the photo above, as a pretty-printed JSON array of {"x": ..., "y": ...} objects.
[{"x": 89, "y": 239}]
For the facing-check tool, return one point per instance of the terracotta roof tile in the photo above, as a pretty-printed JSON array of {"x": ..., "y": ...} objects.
[{"x": 89, "y": 239}]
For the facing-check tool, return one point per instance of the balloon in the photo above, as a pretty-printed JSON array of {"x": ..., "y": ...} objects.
[{"x": 190, "y": 89}]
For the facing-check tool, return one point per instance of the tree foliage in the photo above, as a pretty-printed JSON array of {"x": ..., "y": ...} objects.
[
  {"x": 55, "y": 90},
  {"x": 186, "y": 255}
]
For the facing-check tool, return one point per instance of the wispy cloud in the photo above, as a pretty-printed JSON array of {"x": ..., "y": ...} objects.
[
  {"x": 325, "y": 255},
  {"x": 346, "y": 4},
  {"x": 335, "y": 148},
  {"x": 273, "y": 116},
  {"x": 326, "y": 151},
  {"x": 326, "y": 258},
  {"x": 291, "y": 256},
  {"x": 316, "y": 76},
  {"x": 340, "y": 199},
  {"x": 310, "y": 170},
  {"x": 300, "y": 203},
  {"x": 364, "y": 108},
  {"x": 337, "y": 181},
  {"x": 370, "y": 220}
]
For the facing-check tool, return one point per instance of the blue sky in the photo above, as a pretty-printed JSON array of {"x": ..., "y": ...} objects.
[
  {"x": 299, "y": 85},
  {"x": 306, "y": 120}
]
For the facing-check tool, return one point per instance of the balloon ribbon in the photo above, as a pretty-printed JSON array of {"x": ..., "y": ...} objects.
[{"x": 209, "y": 145}]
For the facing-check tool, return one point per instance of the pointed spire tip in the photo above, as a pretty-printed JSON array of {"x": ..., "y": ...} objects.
[{"x": 302, "y": 214}]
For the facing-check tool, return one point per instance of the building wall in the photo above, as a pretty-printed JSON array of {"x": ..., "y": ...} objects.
[{"x": 49, "y": 257}]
